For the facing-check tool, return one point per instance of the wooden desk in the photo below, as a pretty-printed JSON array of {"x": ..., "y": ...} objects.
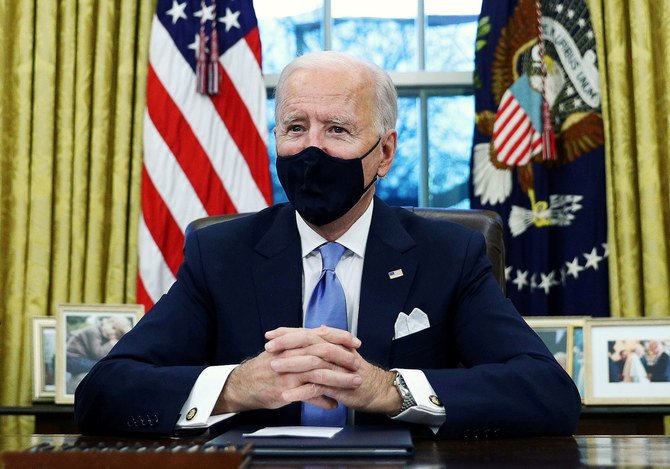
[
  {"x": 623, "y": 420},
  {"x": 595, "y": 420},
  {"x": 49, "y": 418},
  {"x": 558, "y": 452}
]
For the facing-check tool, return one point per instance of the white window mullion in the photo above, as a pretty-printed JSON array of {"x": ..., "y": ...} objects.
[
  {"x": 424, "y": 194},
  {"x": 327, "y": 25},
  {"x": 421, "y": 35}
]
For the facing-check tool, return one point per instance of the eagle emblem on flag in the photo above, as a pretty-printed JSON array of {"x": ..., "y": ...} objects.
[
  {"x": 538, "y": 154},
  {"x": 545, "y": 81}
]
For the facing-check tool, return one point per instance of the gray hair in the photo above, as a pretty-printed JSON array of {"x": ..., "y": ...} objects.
[{"x": 386, "y": 97}]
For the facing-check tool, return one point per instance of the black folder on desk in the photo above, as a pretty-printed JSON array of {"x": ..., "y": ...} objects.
[{"x": 350, "y": 441}]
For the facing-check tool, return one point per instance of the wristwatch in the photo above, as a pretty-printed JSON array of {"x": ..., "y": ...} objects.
[{"x": 407, "y": 399}]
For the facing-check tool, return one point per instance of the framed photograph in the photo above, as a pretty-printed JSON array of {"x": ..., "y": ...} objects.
[
  {"x": 578, "y": 371},
  {"x": 44, "y": 358},
  {"x": 627, "y": 361},
  {"x": 85, "y": 334},
  {"x": 564, "y": 337}
]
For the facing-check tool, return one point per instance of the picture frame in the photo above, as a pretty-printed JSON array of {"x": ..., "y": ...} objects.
[
  {"x": 627, "y": 361},
  {"x": 84, "y": 334},
  {"x": 564, "y": 337},
  {"x": 44, "y": 358}
]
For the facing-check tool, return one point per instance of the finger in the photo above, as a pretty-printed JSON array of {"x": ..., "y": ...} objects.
[
  {"x": 309, "y": 392},
  {"x": 296, "y": 338},
  {"x": 298, "y": 364},
  {"x": 332, "y": 378},
  {"x": 317, "y": 356},
  {"x": 280, "y": 331},
  {"x": 303, "y": 364},
  {"x": 338, "y": 336},
  {"x": 315, "y": 393}
]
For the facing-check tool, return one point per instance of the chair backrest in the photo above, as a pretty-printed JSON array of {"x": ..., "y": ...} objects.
[{"x": 488, "y": 223}]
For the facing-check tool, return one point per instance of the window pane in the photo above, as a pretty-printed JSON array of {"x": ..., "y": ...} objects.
[
  {"x": 288, "y": 29},
  {"x": 278, "y": 195},
  {"x": 451, "y": 27},
  {"x": 401, "y": 184},
  {"x": 451, "y": 126},
  {"x": 377, "y": 30}
]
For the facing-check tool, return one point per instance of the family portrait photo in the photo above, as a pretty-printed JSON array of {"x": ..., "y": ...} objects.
[
  {"x": 44, "y": 358},
  {"x": 639, "y": 361},
  {"x": 565, "y": 340},
  {"x": 627, "y": 361}
]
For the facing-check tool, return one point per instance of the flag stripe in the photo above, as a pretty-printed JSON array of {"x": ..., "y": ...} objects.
[
  {"x": 502, "y": 130},
  {"x": 154, "y": 273},
  {"x": 520, "y": 144},
  {"x": 514, "y": 133},
  {"x": 243, "y": 71},
  {"x": 520, "y": 154},
  {"x": 186, "y": 148},
  {"x": 178, "y": 78},
  {"x": 240, "y": 124},
  {"x": 507, "y": 106},
  {"x": 169, "y": 180},
  {"x": 254, "y": 41},
  {"x": 142, "y": 294},
  {"x": 159, "y": 222}
]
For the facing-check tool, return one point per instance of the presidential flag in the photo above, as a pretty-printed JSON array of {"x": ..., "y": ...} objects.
[
  {"x": 205, "y": 130},
  {"x": 538, "y": 157}
]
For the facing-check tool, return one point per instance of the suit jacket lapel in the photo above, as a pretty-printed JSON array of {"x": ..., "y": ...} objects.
[
  {"x": 389, "y": 248},
  {"x": 277, "y": 273}
]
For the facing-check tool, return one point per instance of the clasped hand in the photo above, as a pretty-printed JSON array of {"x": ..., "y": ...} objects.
[{"x": 321, "y": 366}]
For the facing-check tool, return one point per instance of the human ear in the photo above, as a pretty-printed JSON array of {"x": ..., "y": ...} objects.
[{"x": 389, "y": 144}]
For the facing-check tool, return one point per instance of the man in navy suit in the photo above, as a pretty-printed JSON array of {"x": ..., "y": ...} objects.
[{"x": 431, "y": 340}]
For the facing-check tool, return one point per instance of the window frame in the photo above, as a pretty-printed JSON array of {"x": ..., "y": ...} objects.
[{"x": 421, "y": 83}]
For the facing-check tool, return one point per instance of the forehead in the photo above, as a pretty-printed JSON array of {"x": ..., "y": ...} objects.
[{"x": 328, "y": 90}]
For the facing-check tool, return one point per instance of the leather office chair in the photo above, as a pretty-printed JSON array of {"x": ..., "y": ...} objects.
[{"x": 486, "y": 222}]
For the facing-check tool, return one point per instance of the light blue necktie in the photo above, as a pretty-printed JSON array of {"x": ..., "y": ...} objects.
[{"x": 327, "y": 306}]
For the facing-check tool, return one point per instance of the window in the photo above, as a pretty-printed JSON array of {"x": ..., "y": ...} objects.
[{"x": 428, "y": 47}]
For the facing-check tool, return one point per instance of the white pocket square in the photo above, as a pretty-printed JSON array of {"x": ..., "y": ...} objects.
[{"x": 406, "y": 325}]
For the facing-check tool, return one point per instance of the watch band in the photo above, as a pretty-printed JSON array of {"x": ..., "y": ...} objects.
[{"x": 406, "y": 395}]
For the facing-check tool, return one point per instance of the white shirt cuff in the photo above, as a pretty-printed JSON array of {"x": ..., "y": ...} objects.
[
  {"x": 425, "y": 411},
  {"x": 197, "y": 410}
]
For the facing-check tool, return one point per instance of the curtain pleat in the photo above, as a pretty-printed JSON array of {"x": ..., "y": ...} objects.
[
  {"x": 634, "y": 49},
  {"x": 71, "y": 107}
]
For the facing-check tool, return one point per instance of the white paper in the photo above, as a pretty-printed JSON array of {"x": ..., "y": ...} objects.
[{"x": 306, "y": 431}]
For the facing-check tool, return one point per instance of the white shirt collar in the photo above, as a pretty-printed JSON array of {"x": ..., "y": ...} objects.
[{"x": 354, "y": 239}]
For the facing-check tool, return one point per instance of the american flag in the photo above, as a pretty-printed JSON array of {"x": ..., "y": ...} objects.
[{"x": 204, "y": 154}]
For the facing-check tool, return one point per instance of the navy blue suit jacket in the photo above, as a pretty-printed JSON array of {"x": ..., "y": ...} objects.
[{"x": 242, "y": 278}]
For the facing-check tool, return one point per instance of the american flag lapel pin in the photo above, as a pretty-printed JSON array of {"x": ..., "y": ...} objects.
[{"x": 395, "y": 274}]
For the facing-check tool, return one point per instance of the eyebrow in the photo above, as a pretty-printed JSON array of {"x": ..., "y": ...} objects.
[
  {"x": 335, "y": 119},
  {"x": 344, "y": 121},
  {"x": 292, "y": 117}
]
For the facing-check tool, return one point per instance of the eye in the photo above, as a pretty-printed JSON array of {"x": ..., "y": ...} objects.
[
  {"x": 294, "y": 128},
  {"x": 338, "y": 130}
]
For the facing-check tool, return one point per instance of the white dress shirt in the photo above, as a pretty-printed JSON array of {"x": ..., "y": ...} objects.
[{"x": 349, "y": 271}]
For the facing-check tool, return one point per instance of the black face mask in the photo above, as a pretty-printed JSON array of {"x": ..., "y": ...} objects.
[{"x": 321, "y": 187}]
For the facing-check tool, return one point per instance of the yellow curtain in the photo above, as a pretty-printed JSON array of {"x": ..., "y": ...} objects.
[
  {"x": 634, "y": 58},
  {"x": 71, "y": 105}
]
